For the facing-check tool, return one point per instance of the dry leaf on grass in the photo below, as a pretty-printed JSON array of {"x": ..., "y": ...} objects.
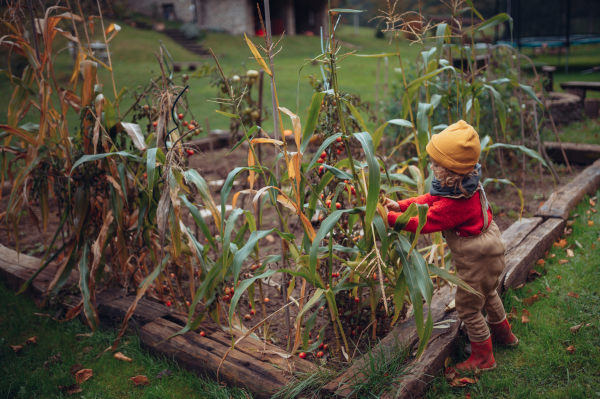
[
  {"x": 568, "y": 231},
  {"x": 16, "y": 348},
  {"x": 540, "y": 262},
  {"x": 526, "y": 312},
  {"x": 559, "y": 277},
  {"x": 468, "y": 396},
  {"x": 570, "y": 223},
  {"x": 552, "y": 256},
  {"x": 84, "y": 375},
  {"x": 590, "y": 223},
  {"x": 454, "y": 379},
  {"x": 570, "y": 253},
  {"x": 533, "y": 274},
  {"x": 75, "y": 368},
  {"x": 32, "y": 341},
  {"x": 592, "y": 202},
  {"x": 140, "y": 380},
  {"x": 120, "y": 356},
  {"x": 561, "y": 243},
  {"x": 571, "y": 349},
  {"x": 71, "y": 389},
  {"x": 562, "y": 261},
  {"x": 524, "y": 319},
  {"x": 85, "y": 335},
  {"x": 548, "y": 289},
  {"x": 87, "y": 349},
  {"x": 576, "y": 328},
  {"x": 529, "y": 301},
  {"x": 573, "y": 295}
]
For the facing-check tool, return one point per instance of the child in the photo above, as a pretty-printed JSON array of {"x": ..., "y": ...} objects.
[{"x": 458, "y": 207}]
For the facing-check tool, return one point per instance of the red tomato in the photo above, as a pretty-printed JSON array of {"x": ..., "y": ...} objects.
[{"x": 302, "y": 355}]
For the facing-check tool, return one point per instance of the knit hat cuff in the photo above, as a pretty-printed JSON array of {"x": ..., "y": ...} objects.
[{"x": 445, "y": 160}]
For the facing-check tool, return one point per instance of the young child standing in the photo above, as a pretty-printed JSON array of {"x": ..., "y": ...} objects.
[{"x": 458, "y": 207}]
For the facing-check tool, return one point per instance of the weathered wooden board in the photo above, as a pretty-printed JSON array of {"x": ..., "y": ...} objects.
[
  {"x": 439, "y": 348},
  {"x": 17, "y": 268},
  {"x": 517, "y": 232},
  {"x": 567, "y": 197},
  {"x": 523, "y": 257},
  {"x": 404, "y": 334},
  {"x": 259, "y": 350},
  {"x": 203, "y": 355},
  {"x": 581, "y": 154},
  {"x": 112, "y": 312}
]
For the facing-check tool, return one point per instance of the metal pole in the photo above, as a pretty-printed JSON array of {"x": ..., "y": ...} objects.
[{"x": 276, "y": 135}]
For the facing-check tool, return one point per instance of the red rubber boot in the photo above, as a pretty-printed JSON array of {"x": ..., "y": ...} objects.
[
  {"x": 481, "y": 357},
  {"x": 502, "y": 333}
]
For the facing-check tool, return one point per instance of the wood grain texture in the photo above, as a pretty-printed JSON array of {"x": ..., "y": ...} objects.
[
  {"x": 403, "y": 335},
  {"x": 523, "y": 257},
  {"x": 517, "y": 232},
  {"x": 112, "y": 312},
  {"x": 582, "y": 154},
  {"x": 259, "y": 350},
  {"x": 17, "y": 268},
  {"x": 439, "y": 348},
  {"x": 568, "y": 196},
  {"x": 203, "y": 355}
]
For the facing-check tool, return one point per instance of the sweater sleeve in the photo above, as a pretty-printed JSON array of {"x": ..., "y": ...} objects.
[
  {"x": 422, "y": 199},
  {"x": 443, "y": 214}
]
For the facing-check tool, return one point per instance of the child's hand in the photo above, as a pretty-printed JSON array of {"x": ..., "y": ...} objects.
[{"x": 391, "y": 205}]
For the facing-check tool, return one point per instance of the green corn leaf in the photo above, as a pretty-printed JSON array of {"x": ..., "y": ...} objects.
[
  {"x": 383, "y": 236},
  {"x": 378, "y": 135},
  {"x": 405, "y": 217},
  {"x": 399, "y": 292},
  {"x": 532, "y": 153},
  {"x": 356, "y": 115},
  {"x": 505, "y": 181},
  {"x": 227, "y": 114},
  {"x": 312, "y": 119},
  {"x": 89, "y": 158},
  {"x": 246, "y": 137},
  {"x": 422, "y": 213},
  {"x": 499, "y": 104},
  {"x": 423, "y": 123},
  {"x": 199, "y": 220},
  {"x": 472, "y": 7},
  {"x": 345, "y": 10},
  {"x": 374, "y": 176},
  {"x": 382, "y": 55},
  {"x": 245, "y": 251},
  {"x": 446, "y": 275},
  {"x": 338, "y": 173},
  {"x": 231, "y": 221}
]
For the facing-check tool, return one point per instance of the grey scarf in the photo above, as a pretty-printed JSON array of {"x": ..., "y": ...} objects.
[{"x": 469, "y": 183}]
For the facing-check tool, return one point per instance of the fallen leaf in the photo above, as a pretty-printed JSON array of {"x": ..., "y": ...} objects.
[
  {"x": 164, "y": 373},
  {"x": 592, "y": 202},
  {"x": 75, "y": 368},
  {"x": 533, "y": 274},
  {"x": 526, "y": 312},
  {"x": 570, "y": 253},
  {"x": 54, "y": 359},
  {"x": 517, "y": 299},
  {"x": 571, "y": 349},
  {"x": 573, "y": 295},
  {"x": 559, "y": 277},
  {"x": 578, "y": 244},
  {"x": 548, "y": 289},
  {"x": 593, "y": 246},
  {"x": 540, "y": 262},
  {"x": 468, "y": 396},
  {"x": 85, "y": 335},
  {"x": 524, "y": 319},
  {"x": 140, "y": 380},
  {"x": 590, "y": 223},
  {"x": 576, "y": 328},
  {"x": 16, "y": 348},
  {"x": 120, "y": 356},
  {"x": 568, "y": 231},
  {"x": 519, "y": 286},
  {"x": 561, "y": 243},
  {"x": 594, "y": 210},
  {"x": 529, "y": 301},
  {"x": 270, "y": 238},
  {"x": 84, "y": 375},
  {"x": 71, "y": 389},
  {"x": 552, "y": 256},
  {"x": 451, "y": 306},
  {"x": 570, "y": 223},
  {"x": 447, "y": 361},
  {"x": 42, "y": 315},
  {"x": 562, "y": 261},
  {"x": 466, "y": 380}
]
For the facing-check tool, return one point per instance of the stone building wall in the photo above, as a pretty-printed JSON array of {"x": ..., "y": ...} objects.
[{"x": 235, "y": 17}]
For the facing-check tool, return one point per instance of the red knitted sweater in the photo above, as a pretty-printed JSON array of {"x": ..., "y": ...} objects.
[{"x": 462, "y": 215}]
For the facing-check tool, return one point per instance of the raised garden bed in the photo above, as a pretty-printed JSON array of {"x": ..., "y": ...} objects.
[{"x": 264, "y": 368}]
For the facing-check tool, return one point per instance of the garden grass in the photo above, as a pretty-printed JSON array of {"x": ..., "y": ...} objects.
[
  {"x": 586, "y": 131},
  {"x": 23, "y": 374},
  {"x": 541, "y": 367}
]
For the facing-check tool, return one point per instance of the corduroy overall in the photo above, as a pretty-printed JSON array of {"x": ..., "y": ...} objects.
[{"x": 479, "y": 261}]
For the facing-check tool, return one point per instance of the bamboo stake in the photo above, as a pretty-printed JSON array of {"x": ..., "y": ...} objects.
[{"x": 276, "y": 134}]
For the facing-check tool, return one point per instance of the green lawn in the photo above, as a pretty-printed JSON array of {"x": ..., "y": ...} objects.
[
  {"x": 25, "y": 376},
  {"x": 541, "y": 367}
]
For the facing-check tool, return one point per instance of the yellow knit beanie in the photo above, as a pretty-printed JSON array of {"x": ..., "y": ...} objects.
[{"x": 456, "y": 148}]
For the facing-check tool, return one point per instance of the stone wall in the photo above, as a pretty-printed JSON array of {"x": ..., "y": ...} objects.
[
  {"x": 184, "y": 10},
  {"x": 235, "y": 17},
  {"x": 565, "y": 107}
]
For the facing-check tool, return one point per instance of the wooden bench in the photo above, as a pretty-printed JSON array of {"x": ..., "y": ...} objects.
[{"x": 580, "y": 88}]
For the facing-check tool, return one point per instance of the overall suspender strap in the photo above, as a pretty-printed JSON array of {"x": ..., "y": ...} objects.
[{"x": 484, "y": 207}]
